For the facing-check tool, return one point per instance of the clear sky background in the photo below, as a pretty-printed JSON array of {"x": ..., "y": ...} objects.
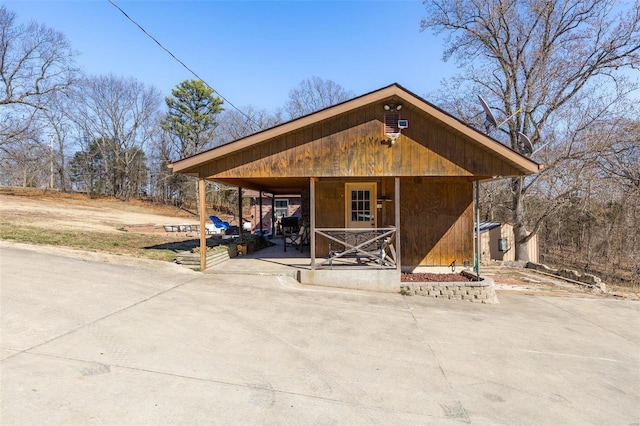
[{"x": 252, "y": 52}]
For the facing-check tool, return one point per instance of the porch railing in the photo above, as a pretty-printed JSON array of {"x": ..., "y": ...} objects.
[{"x": 371, "y": 247}]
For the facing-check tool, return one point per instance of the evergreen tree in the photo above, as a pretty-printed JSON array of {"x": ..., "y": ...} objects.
[{"x": 191, "y": 119}]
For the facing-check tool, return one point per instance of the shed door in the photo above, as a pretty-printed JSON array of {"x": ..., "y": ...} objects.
[{"x": 361, "y": 205}]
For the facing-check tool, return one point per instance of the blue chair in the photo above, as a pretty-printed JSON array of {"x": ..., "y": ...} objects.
[{"x": 219, "y": 223}]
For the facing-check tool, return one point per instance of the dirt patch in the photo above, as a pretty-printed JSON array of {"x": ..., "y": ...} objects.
[
  {"x": 77, "y": 212},
  {"x": 530, "y": 282}
]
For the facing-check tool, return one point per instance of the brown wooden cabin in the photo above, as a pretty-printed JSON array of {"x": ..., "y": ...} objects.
[{"x": 420, "y": 184}]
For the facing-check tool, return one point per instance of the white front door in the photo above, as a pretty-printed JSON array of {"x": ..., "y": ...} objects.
[{"x": 361, "y": 199}]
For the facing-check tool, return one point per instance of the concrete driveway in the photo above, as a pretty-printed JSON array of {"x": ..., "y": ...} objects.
[{"x": 93, "y": 339}]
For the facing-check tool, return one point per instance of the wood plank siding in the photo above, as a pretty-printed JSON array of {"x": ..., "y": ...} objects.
[
  {"x": 436, "y": 221},
  {"x": 330, "y": 213},
  {"x": 353, "y": 145},
  {"x": 436, "y": 217}
]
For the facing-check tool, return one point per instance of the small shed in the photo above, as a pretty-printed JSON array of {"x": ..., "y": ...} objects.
[
  {"x": 388, "y": 165},
  {"x": 497, "y": 242}
]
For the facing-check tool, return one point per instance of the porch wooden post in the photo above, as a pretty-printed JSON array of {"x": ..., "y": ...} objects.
[
  {"x": 202, "y": 207},
  {"x": 477, "y": 215},
  {"x": 312, "y": 213},
  {"x": 273, "y": 215},
  {"x": 240, "y": 211},
  {"x": 397, "y": 210},
  {"x": 261, "y": 233}
]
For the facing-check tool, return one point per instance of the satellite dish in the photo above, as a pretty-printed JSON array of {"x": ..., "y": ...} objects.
[
  {"x": 490, "y": 119},
  {"x": 526, "y": 147}
]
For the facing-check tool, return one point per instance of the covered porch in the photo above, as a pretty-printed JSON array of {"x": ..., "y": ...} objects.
[
  {"x": 357, "y": 229},
  {"x": 342, "y": 218}
]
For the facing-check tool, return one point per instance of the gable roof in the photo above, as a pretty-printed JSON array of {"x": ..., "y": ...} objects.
[{"x": 196, "y": 163}]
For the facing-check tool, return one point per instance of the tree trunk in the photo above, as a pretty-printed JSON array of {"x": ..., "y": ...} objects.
[
  {"x": 61, "y": 175},
  {"x": 519, "y": 228}
]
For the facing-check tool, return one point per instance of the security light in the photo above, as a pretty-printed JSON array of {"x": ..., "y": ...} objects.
[{"x": 392, "y": 107}]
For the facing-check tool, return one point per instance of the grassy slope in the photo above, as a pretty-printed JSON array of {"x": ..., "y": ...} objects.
[
  {"x": 126, "y": 243},
  {"x": 116, "y": 242}
]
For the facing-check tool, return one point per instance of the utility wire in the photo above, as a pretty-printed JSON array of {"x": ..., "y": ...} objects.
[{"x": 183, "y": 64}]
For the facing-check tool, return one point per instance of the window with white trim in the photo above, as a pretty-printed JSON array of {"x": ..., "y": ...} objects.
[{"x": 281, "y": 208}]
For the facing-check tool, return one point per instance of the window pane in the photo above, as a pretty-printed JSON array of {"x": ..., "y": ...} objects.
[
  {"x": 281, "y": 208},
  {"x": 360, "y": 208}
]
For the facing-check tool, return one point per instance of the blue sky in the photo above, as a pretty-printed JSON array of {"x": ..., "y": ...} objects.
[{"x": 252, "y": 52}]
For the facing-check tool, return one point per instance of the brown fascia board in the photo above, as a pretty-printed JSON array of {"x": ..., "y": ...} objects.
[{"x": 189, "y": 165}]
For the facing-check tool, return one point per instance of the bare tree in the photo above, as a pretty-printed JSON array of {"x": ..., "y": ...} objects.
[
  {"x": 165, "y": 185},
  {"x": 314, "y": 94},
  {"x": 620, "y": 158},
  {"x": 119, "y": 115},
  {"x": 35, "y": 61},
  {"x": 233, "y": 125},
  {"x": 60, "y": 130},
  {"x": 24, "y": 162},
  {"x": 535, "y": 57},
  {"x": 598, "y": 229}
]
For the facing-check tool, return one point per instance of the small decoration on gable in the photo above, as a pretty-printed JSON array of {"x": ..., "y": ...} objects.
[{"x": 393, "y": 124}]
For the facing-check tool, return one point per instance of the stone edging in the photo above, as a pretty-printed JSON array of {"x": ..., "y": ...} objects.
[
  {"x": 587, "y": 280},
  {"x": 473, "y": 291}
]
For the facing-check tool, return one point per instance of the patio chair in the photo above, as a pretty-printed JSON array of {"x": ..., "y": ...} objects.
[
  {"x": 219, "y": 224},
  {"x": 298, "y": 240}
]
